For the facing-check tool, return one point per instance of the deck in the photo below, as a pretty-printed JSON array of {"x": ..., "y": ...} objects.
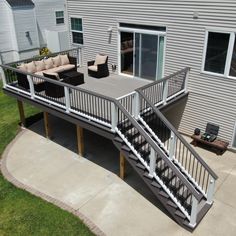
[{"x": 127, "y": 111}]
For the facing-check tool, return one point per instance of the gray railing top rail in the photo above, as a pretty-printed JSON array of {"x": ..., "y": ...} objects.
[
  {"x": 58, "y": 83},
  {"x": 172, "y": 128},
  {"x": 42, "y": 56},
  {"x": 195, "y": 193},
  {"x": 163, "y": 79}
]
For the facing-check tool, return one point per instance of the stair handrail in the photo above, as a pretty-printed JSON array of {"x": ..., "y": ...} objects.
[
  {"x": 172, "y": 128},
  {"x": 191, "y": 188}
]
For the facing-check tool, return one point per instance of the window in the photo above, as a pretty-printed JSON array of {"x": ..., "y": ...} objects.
[
  {"x": 220, "y": 56},
  {"x": 77, "y": 30},
  {"x": 59, "y": 17}
]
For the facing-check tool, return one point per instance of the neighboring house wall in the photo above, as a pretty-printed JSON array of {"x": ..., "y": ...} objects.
[
  {"x": 8, "y": 45},
  {"x": 211, "y": 98},
  {"x": 26, "y": 29},
  {"x": 46, "y": 18}
]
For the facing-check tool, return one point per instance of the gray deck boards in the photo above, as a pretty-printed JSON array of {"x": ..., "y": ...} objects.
[{"x": 113, "y": 86}]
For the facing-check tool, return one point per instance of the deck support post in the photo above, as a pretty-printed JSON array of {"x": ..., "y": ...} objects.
[
  {"x": 47, "y": 126},
  {"x": 210, "y": 191},
  {"x": 122, "y": 166},
  {"x": 80, "y": 140},
  {"x": 21, "y": 112}
]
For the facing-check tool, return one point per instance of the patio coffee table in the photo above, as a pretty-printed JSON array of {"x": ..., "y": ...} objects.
[{"x": 72, "y": 77}]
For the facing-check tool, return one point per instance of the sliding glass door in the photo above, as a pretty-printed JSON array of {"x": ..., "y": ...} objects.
[{"x": 142, "y": 55}]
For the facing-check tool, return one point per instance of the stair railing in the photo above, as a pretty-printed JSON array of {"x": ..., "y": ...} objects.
[
  {"x": 124, "y": 118},
  {"x": 176, "y": 147}
]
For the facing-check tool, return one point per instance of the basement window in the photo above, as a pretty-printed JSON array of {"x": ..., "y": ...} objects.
[
  {"x": 77, "y": 30},
  {"x": 59, "y": 17},
  {"x": 220, "y": 53}
]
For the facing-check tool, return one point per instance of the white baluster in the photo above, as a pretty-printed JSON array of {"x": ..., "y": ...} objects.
[{"x": 186, "y": 80}]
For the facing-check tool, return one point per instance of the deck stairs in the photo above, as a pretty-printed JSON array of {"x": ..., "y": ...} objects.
[{"x": 169, "y": 166}]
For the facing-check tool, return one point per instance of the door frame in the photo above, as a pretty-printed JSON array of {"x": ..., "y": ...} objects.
[{"x": 141, "y": 31}]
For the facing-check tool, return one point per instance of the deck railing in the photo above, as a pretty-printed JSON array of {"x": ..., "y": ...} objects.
[
  {"x": 111, "y": 113},
  {"x": 173, "y": 144}
]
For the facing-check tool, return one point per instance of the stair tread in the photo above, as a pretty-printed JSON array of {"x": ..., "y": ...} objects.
[
  {"x": 164, "y": 194},
  {"x": 146, "y": 174},
  {"x": 155, "y": 184},
  {"x": 132, "y": 156},
  {"x": 118, "y": 139},
  {"x": 180, "y": 214},
  {"x": 141, "y": 166},
  {"x": 125, "y": 148},
  {"x": 172, "y": 204}
]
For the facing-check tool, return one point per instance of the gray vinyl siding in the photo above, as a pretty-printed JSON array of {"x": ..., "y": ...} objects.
[
  {"x": 46, "y": 19},
  {"x": 24, "y": 20},
  {"x": 211, "y": 98}
]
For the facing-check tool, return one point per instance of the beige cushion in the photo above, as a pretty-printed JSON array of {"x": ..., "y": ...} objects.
[
  {"x": 56, "y": 61},
  {"x": 48, "y": 63},
  {"x": 40, "y": 65},
  {"x": 65, "y": 67},
  {"x": 22, "y": 67},
  {"x": 31, "y": 68},
  {"x": 100, "y": 59},
  {"x": 93, "y": 68},
  {"x": 64, "y": 60},
  {"x": 47, "y": 72}
]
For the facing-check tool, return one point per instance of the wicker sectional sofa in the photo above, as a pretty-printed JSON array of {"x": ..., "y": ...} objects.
[{"x": 51, "y": 65}]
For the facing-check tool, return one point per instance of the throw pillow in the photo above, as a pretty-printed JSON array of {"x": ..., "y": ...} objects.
[
  {"x": 100, "y": 59},
  {"x": 31, "y": 68},
  {"x": 48, "y": 63},
  {"x": 64, "y": 60},
  {"x": 22, "y": 67},
  {"x": 56, "y": 61},
  {"x": 40, "y": 65}
]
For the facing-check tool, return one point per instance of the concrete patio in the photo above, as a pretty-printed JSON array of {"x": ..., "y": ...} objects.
[{"x": 91, "y": 186}]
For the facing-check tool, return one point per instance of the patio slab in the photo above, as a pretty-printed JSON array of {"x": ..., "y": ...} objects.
[{"x": 115, "y": 206}]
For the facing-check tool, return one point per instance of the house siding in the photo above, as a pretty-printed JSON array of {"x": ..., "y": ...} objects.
[
  {"x": 211, "y": 98},
  {"x": 22, "y": 17},
  {"x": 46, "y": 19}
]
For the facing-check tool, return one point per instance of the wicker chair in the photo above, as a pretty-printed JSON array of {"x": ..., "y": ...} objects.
[
  {"x": 51, "y": 89},
  {"x": 99, "y": 67}
]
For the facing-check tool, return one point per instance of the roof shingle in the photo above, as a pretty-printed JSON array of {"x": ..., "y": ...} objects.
[{"x": 20, "y": 3}]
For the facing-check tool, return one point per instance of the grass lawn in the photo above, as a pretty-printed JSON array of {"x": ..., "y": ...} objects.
[
  {"x": 10, "y": 118},
  {"x": 20, "y": 212}
]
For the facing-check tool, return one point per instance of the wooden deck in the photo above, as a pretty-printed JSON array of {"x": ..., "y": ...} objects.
[{"x": 113, "y": 86}]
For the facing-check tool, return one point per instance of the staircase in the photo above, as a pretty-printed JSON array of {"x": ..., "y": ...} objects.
[{"x": 170, "y": 167}]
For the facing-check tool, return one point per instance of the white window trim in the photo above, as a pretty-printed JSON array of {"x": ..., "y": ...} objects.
[
  {"x": 60, "y": 17},
  {"x": 143, "y": 31},
  {"x": 232, "y": 39},
  {"x": 77, "y": 31}
]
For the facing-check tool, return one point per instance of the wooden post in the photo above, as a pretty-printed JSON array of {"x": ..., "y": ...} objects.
[
  {"x": 80, "y": 140},
  {"x": 122, "y": 166},
  {"x": 47, "y": 124},
  {"x": 21, "y": 111}
]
